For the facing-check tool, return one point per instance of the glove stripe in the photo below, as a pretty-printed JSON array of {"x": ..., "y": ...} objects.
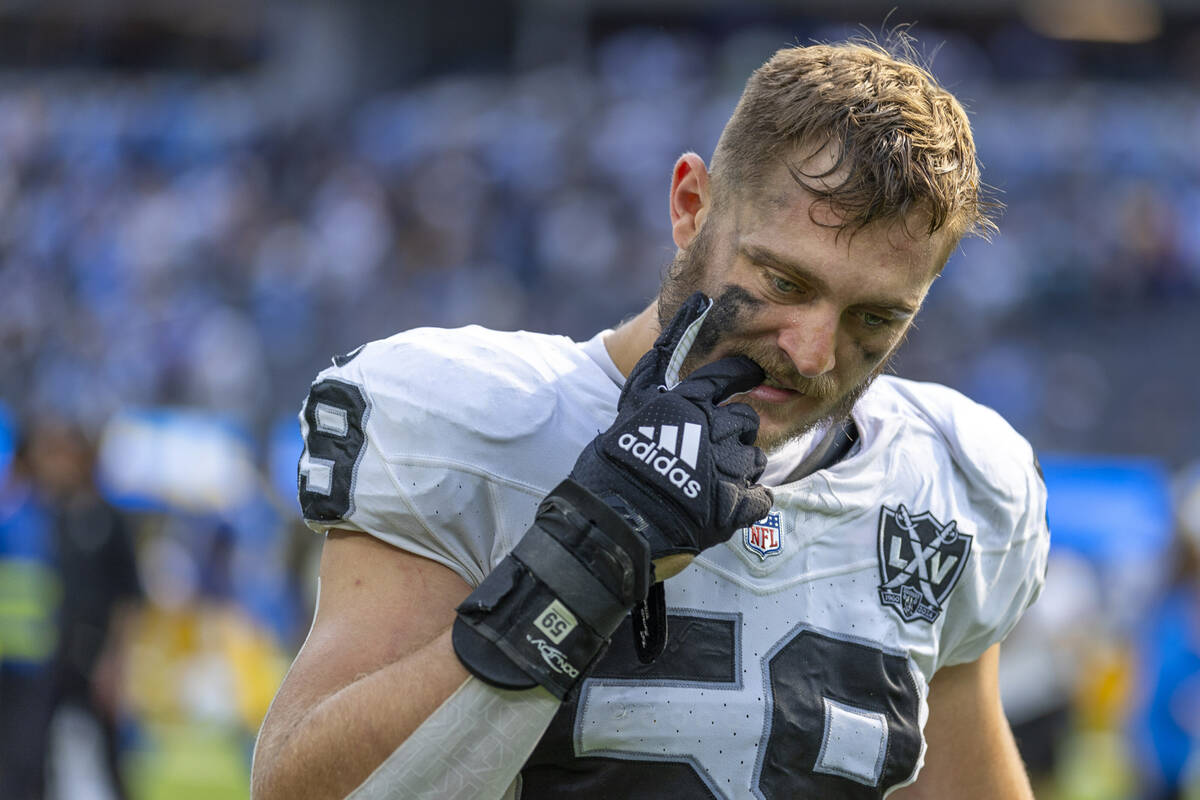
[{"x": 671, "y": 375}]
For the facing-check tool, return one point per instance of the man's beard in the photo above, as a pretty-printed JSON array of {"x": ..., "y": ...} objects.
[{"x": 728, "y": 315}]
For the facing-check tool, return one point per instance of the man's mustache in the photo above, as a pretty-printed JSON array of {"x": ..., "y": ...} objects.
[
  {"x": 779, "y": 370},
  {"x": 822, "y": 387},
  {"x": 781, "y": 373}
]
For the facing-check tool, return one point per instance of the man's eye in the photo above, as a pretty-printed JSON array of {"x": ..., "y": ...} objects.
[
  {"x": 873, "y": 320},
  {"x": 783, "y": 285}
]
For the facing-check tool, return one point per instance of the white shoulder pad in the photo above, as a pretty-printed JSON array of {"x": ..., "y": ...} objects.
[
  {"x": 435, "y": 440},
  {"x": 989, "y": 474}
]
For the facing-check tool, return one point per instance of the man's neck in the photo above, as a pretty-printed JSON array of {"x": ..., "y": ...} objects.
[{"x": 633, "y": 338}]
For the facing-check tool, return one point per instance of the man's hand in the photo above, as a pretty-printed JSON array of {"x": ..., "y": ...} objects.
[
  {"x": 678, "y": 465},
  {"x": 673, "y": 475}
]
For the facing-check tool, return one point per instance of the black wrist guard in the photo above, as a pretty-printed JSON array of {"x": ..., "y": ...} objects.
[{"x": 546, "y": 612}]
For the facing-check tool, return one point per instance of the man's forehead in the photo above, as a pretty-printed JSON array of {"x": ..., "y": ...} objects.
[{"x": 783, "y": 201}]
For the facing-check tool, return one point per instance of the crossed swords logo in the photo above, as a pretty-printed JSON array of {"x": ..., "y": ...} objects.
[{"x": 924, "y": 600}]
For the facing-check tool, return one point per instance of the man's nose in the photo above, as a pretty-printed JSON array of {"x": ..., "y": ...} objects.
[{"x": 809, "y": 338}]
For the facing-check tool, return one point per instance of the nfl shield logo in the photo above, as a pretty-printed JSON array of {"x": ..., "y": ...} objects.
[
  {"x": 764, "y": 537},
  {"x": 920, "y": 560}
]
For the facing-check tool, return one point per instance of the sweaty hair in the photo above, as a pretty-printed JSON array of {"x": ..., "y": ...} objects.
[{"x": 903, "y": 143}]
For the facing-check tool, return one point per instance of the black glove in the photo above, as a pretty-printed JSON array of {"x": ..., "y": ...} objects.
[
  {"x": 676, "y": 464},
  {"x": 674, "y": 474}
]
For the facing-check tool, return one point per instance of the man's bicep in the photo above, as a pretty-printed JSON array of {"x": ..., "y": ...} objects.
[
  {"x": 970, "y": 748},
  {"x": 376, "y": 603}
]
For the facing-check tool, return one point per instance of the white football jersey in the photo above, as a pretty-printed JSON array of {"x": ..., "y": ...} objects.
[{"x": 800, "y": 653}]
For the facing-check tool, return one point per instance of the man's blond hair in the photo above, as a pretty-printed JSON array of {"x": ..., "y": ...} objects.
[{"x": 903, "y": 143}]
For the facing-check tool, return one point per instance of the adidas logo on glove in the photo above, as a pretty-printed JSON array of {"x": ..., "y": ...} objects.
[{"x": 664, "y": 450}]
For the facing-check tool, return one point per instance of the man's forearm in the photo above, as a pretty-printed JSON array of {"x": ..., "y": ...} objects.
[{"x": 339, "y": 741}]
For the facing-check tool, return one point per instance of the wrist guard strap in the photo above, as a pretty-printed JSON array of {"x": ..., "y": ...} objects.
[{"x": 546, "y": 612}]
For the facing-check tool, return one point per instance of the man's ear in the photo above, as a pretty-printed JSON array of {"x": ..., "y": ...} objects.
[{"x": 691, "y": 198}]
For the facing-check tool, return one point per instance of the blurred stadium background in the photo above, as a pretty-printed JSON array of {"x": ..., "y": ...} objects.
[{"x": 201, "y": 203}]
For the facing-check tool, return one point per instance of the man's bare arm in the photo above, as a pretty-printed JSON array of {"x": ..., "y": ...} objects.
[
  {"x": 971, "y": 752},
  {"x": 376, "y": 664}
]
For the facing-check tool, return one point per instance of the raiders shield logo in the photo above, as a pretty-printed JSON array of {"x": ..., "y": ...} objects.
[{"x": 920, "y": 560}]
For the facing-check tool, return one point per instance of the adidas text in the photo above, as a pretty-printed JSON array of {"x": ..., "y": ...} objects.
[{"x": 663, "y": 462}]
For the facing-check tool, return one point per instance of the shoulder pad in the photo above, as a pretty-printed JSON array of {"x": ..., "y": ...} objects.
[
  {"x": 987, "y": 451},
  {"x": 470, "y": 382}
]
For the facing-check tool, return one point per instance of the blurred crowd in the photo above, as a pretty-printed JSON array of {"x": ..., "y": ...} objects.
[
  {"x": 167, "y": 243},
  {"x": 163, "y": 243}
]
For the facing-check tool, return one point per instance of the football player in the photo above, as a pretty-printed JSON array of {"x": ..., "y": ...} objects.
[{"x": 558, "y": 569}]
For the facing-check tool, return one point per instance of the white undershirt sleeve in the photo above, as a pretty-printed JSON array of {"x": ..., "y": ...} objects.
[{"x": 470, "y": 748}]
